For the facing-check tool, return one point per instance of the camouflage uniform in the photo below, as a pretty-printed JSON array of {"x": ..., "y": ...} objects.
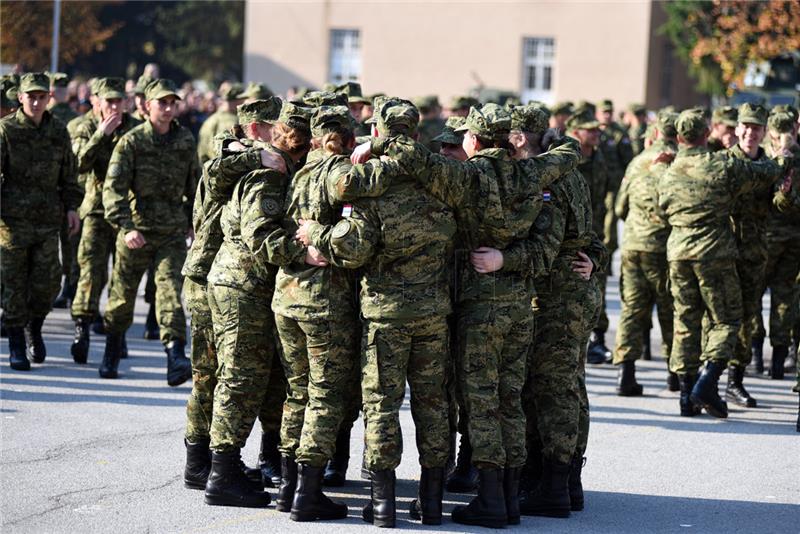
[
  {"x": 38, "y": 185},
  {"x": 617, "y": 154},
  {"x": 219, "y": 122}
]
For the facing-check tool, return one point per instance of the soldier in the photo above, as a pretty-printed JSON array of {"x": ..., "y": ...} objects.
[
  {"x": 637, "y": 114},
  {"x": 221, "y": 120},
  {"x": 8, "y": 95},
  {"x": 356, "y": 101},
  {"x": 147, "y": 194},
  {"x": 644, "y": 258},
  {"x": 256, "y": 91},
  {"x": 431, "y": 123},
  {"x": 38, "y": 177},
  {"x": 241, "y": 283},
  {"x": 93, "y": 145},
  {"x": 696, "y": 193},
  {"x": 139, "y": 98},
  {"x": 723, "y": 129},
  {"x": 559, "y": 115},
  {"x": 460, "y": 106},
  {"x": 59, "y": 101}
]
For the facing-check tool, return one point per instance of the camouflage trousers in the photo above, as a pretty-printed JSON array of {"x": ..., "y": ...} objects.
[
  {"x": 644, "y": 280},
  {"x": 610, "y": 223},
  {"x": 69, "y": 252},
  {"x": 555, "y": 389},
  {"x": 168, "y": 253},
  {"x": 249, "y": 380},
  {"x": 601, "y": 325},
  {"x": 751, "y": 267},
  {"x": 318, "y": 359},
  {"x": 199, "y": 407},
  {"x": 456, "y": 414},
  {"x": 781, "y": 277},
  {"x": 493, "y": 343},
  {"x": 700, "y": 287},
  {"x": 30, "y": 275},
  {"x": 96, "y": 247},
  {"x": 394, "y": 352}
]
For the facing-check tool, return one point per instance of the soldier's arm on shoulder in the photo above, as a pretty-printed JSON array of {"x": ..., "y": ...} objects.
[
  {"x": 119, "y": 178},
  {"x": 71, "y": 193},
  {"x": 370, "y": 179},
  {"x": 747, "y": 175},
  {"x": 562, "y": 157},
  {"x": 227, "y": 168},
  {"x": 547, "y": 234},
  {"x": 350, "y": 243},
  {"x": 449, "y": 180}
]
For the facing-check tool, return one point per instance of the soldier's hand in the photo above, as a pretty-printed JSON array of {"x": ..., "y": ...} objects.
[
  {"x": 134, "y": 239},
  {"x": 583, "y": 266},
  {"x": 786, "y": 184},
  {"x": 314, "y": 257},
  {"x": 664, "y": 157},
  {"x": 361, "y": 153},
  {"x": 111, "y": 123},
  {"x": 273, "y": 161},
  {"x": 486, "y": 260},
  {"x": 302, "y": 232},
  {"x": 236, "y": 146},
  {"x": 73, "y": 222}
]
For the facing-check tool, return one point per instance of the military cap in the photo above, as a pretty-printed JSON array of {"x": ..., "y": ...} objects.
[
  {"x": 691, "y": 124},
  {"x": 233, "y": 91},
  {"x": 265, "y": 110},
  {"x": 300, "y": 93},
  {"x": 584, "y": 120},
  {"x": 295, "y": 116},
  {"x": 665, "y": 122},
  {"x": 606, "y": 105},
  {"x": 316, "y": 99},
  {"x": 637, "y": 109},
  {"x": 34, "y": 81},
  {"x": 8, "y": 92},
  {"x": 463, "y": 102},
  {"x": 328, "y": 119},
  {"x": 562, "y": 108},
  {"x": 753, "y": 114},
  {"x": 257, "y": 91},
  {"x": 161, "y": 88},
  {"x": 489, "y": 122},
  {"x": 329, "y": 87},
  {"x": 512, "y": 101},
  {"x": 353, "y": 92},
  {"x": 669, "y": 108},
  {"x": 449, "y": 134},
  {"x": 529, "y": 119},
  {"x": 584, "y": 106},
  {"x": 781, "y": 122},
  {"x": 110, "y": 88},
  {"x": 92, "y": 83},
  {"x": 58, "y": 79},
  {"x": 393, "y": 112},
  {"x": 141, "y": 84},
  {"x": 427, "y": 102},
  {"x": 786, "y": 108},
  {"x": 373, "y": 96},
  {"x": 726, "y": 115}
]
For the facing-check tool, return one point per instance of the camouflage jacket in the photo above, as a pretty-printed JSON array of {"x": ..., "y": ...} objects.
[
  {"x": 646, "y": 227},
  {"x": 219, "y": 122},
  {"x": 697, "y": 193},
  {"x": 637, "y": 136},
  {"x": 617, "y": 152},
  {"x": 783, "y": 219},
  {"x": 37, "y": 172},
  {"x": 74, "y": 124},
  {"x": 428, "y": 129},
  {"x": 595, "y": 174},
  {"x": 151, "y": 180},
  {"x": 93, "y": 152},
  {"x": 63, "y": 112},
  {"x": 750, "y": 210}
]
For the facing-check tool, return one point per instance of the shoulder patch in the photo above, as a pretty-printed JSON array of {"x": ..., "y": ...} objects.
[
  {"x": 546, "y": 195},
  {"x": 543, "y": 220},
  {"x": 341, "y": 229},
  {"x": 270, "y": 206},
  {"x": 114, "y": 170},
  {"x": 347, "y": 210}
]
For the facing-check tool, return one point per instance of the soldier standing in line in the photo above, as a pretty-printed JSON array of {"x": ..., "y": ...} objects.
[
  {"x": 8, "y": 95},
  {"x": 431, "y": 123},
  {"x": 38, "y": 180},
  {"x": 637, "y": 127},
  {"x": 356, "y": 101},
  {"x": 147, "y": 197},
  {"x": 723, "y": 129},
  {"x": 59, "y": 102},
  {"x": 220, "y": 121}
]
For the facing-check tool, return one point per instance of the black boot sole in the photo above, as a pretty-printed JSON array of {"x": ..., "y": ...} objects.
[
  {"x": 746, "y": 403},
  {"x": 336, "y": 480},
  {"x": 21, "y": 366},
  {"x": 177, "y": 381},
  {"x": 194, "y": 484},
  {"x": 113, "y": 375},
  {"x": 215, "y": 500},
  {"x": 488, "y": 522},
  {"x": 78, "y": 354},
  {"x": 709, "y": 408},
  {"x": 575, "y": 505},
  {"x": 630, "y": 391},
  {"x": 302, "y": 517}
]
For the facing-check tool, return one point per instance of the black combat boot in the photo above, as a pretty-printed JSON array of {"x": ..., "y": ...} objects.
[
  {"x": 18, "y": 357},
  {"x": 179, "y": 368},
  {"x": 779, "y": 353},
  {"x": 381, "y": 509},
  {"x": 597, "y": 353},
  {"x": 33, "y": 339},
  {"x": 686, "y": 383},
  {"x": 673, "y": 382},
  {"x": 465, "y": 477},
  {"x": 705, "y": 392},
  {"x": 626, "y": 381},
  {"x": 80, "y": 343},
  {"x": 63, "y": 298},
  {"x": 532, "y": 472},
  {"x": 488, "y": 508},
  {"x": 551, "y": 497},
  {"x": 269, "y": 459},
  {"x": 647, "y": 351},
  {"x": 428, "y": 505},
  {"x": 110, "y": 363},
  {"x": 511, "y": 478},
  {"x": 151, "y": 329},
  {"x": 336, "y": 470},
  {"x": 735, "y": 391},
  {"x": 757, "y": 346},
  {"x": 575, "y": 484},
  {"x": 228, "y": 486},
  {"x": 288, "y": 484},
  {"x": 98, "y": 327},
  {"x": 309, "y": 502},
  {"x": 198, "y": 464}
]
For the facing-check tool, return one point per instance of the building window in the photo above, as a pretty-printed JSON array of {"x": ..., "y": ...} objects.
[
  {"x": 345, "y": 57},
  {"x": 538, "y": 58}
]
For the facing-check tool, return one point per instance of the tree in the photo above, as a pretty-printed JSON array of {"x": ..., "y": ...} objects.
[{"x": 718, "y": 39}]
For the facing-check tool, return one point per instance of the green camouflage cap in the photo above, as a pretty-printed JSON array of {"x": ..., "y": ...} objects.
[
  {"x": 665, "y": 122},
  {"x": 257, "y": 91},
  {"x": 781, "y": 122},
  {"x": 373, "y": 96},
  {"x": 8, "y": 92},
  {"x": 563, "y": 108},
  {"x": 329, "y": 87},
  {"x": 295, "y": 116},
  {"x": 753, "y": 114},
  {"x": 691, "y": 124},
  {"x": 352, "y": 90},
  {"x": 327, "y": 119},
  {"x": 232, "y": 92},
  {"x": 584, "y": 120},
  {"x": 394, "y": 112},
  {"x": 530, "y": 119},
  {"x": 34, "y": 81},
  {"x": 92, "y": 83},
  {"x": 489, "y": 122},
  {"x": 606, "y": 105},
  {"x": 316, "y": 99},
  {"x": 141, "y": 84},
  {"x": 427, "y": 102},
  {"x": 584, "y": 106},
  {"x": 726, "y": 115},
  {"x": 266, "y": 110},
  {"x": 110, "y": 88},
  {"x": 161, "y": 88},
  {"x": 449, "y": 134},
  {"x": 464, "y": 102},
  {"x": 637, "y": 109},
  {"x": 58, "y": 79},
  {"x": 786, "y": 108},
  {"x": 669, "y": 108}
]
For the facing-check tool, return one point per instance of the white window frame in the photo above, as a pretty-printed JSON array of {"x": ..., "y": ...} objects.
[
  {"x": 344, "y": 58},
  {"x": 538, "y": 64}
]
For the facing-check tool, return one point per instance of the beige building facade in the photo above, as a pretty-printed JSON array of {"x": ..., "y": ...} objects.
[{"x": 543, "y": 50}]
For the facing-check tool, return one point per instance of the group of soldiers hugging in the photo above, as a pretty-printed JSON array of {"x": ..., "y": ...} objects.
[{"x": 344, "y": 246}]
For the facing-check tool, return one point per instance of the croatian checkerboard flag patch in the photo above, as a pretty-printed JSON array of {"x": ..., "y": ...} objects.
[{"x": 546, "y": 196}]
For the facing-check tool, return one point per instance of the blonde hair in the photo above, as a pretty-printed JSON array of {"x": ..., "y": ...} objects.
[{"x": 333, "y": 142}]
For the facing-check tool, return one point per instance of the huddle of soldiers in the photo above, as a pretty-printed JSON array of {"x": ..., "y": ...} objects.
[{"x": 343, "y": 246}]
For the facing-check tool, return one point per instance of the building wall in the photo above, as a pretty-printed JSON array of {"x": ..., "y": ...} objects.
[{"x": 410, "y": 48}]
